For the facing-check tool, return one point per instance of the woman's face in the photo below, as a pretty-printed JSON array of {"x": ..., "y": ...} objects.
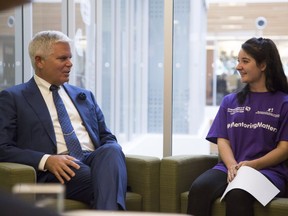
[{"x": 250, "y": 72}]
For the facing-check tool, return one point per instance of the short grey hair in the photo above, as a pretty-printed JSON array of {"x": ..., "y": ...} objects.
[{"x": 42, "y": 43}]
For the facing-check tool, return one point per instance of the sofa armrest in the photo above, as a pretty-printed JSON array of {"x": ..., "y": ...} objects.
[
  {"x": 14, "y": 173},
  {"x": 143, "y": 178},
  {"x": 176, "y": 176}
]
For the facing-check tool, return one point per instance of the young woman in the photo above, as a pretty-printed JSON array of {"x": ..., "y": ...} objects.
[{"x": 250, "y": 129}]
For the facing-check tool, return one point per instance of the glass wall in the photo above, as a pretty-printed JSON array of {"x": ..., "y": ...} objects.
[
  {"x": 130, "y": 71},
  {"x": 46, "y": 15},
  {"x": 189, "y": 63},
  {"x": 10, "y": 48},
  {"x": 118, "y": 54},
  {"x": 229, "y": 25}
]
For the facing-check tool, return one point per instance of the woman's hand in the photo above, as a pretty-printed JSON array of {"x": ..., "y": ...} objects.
[
  {"x": 227, "y": 156},
  {"x": 248, "y": 163},
  {"x": 232, "y": 172}
]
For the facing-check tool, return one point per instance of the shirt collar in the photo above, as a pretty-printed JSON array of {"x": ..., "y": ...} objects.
[{"x": 42, "y": 83}]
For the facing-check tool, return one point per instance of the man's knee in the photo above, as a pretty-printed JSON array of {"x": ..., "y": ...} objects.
[
  {"x": 111, "y": 150},
  {"x": 111, "y": 147}
]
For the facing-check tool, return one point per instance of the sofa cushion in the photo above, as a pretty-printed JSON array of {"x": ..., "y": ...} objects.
[
  {"x": 133, "y": 201},
  {"x": 277, "y": 207}
]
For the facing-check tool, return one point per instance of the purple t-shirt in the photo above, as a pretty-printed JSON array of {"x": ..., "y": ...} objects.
[{"x": 253, "y": 128}]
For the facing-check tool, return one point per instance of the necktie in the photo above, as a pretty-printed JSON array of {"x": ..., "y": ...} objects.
[{"x": 70, "y": 137}]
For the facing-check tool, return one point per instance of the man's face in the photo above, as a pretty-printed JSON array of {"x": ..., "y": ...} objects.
[{"x": 55, "y": 67}]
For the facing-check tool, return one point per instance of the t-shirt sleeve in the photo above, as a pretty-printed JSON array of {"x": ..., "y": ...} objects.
[
  {"x": 218, "y": 128},
  {"x": 282, "y": 134}
]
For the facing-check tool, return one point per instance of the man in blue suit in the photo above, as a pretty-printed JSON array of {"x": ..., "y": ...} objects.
[{"x": 30, "y": 131}]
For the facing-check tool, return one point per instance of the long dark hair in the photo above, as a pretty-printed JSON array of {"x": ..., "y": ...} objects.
[{"x": 264, "y": 50}]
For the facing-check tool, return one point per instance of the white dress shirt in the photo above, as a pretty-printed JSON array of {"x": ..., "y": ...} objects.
[{"x": 76, "y": 121}]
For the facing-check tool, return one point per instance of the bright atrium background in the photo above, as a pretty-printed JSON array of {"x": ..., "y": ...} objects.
[{"x": 119, "y": 54}]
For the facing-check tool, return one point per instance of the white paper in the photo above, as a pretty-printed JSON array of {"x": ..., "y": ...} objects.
[{"x": 255, "y": 183}]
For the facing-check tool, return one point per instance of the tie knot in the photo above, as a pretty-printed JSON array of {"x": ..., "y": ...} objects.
[{"x": 53, "y": 88}]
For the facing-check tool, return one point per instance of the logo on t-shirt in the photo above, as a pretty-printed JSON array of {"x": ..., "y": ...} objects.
[
  {"x": 247, "y": 108},
  {"x": 238, "y": 110},
  {"x": 269, "y": 112}
]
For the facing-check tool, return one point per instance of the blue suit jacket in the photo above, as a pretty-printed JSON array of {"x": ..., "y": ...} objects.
[{"x": 26, "y": 129}]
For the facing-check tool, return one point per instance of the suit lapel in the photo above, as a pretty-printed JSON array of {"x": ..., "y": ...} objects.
[
  {"x": 33, "y": 96},
  {"x": 81, "y": 105}
]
